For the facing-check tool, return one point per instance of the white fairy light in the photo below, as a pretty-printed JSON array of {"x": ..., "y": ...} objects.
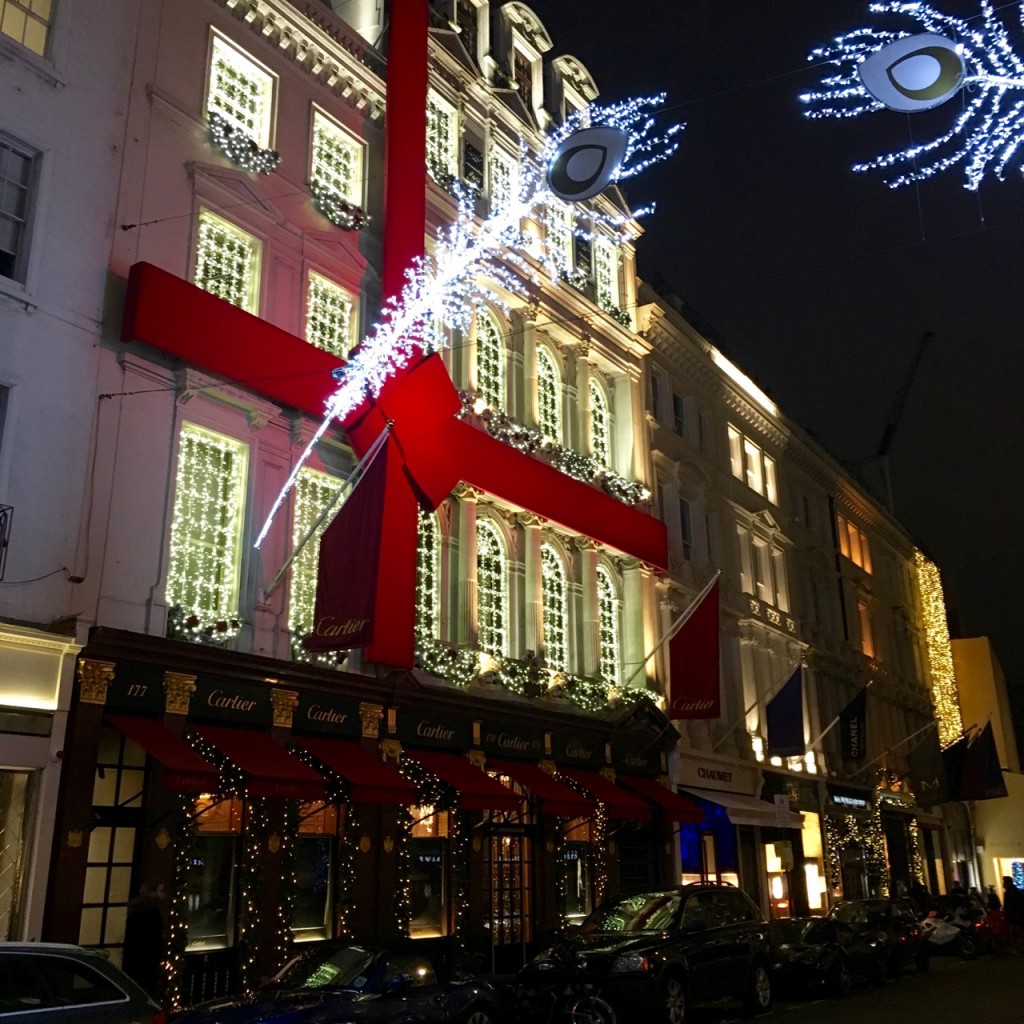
[
  {"x": 987, "y": 134},
  {"x": 472, "y": 264}
]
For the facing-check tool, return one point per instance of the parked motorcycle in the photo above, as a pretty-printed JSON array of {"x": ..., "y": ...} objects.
[
  {"x": 555, "y": 988},
  {"x": 956, "y": 925}
]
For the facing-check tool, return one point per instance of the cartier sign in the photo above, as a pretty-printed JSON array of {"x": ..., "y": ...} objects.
[
  {"x": 327, "y": 715},
  {"x": 230, "y": 700}
]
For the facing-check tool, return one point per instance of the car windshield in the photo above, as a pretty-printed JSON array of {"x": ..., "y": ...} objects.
[
  {"x": 647, "y": 912},
  {"x": 799, "y": 930},
  {"x": 345, "y": 967},
  {"x": 862, "y": 913}
]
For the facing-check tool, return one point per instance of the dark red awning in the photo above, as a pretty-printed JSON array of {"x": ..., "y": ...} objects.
[
  {"x": 184, "y": 770},
  {"x": 619, "y": 802},
  {"x": 373, "y": 782},
  {"x": 673, "y": 806},
  {"x": 271, "y": 769},
  {"x": 477, "y": 790},
  {"x": 555, "y": 797}
]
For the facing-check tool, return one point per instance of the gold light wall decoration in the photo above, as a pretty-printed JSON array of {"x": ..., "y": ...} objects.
[{"x": 945, "y": 695}]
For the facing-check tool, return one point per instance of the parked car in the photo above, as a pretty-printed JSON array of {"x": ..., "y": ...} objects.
[
  {"x": 891, "y": 926},
  {"x": 815, "y": 953},
  {"x": 46, "y": 983},
  {"x": 352, "y": 982},
  {"x": 660, "y": 952}
]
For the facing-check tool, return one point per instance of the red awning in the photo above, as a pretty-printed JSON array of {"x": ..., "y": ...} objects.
[
  {"x": 271, "y": 769},
  {"x": 555, "y": 797},
  {"x": 184, "y": 770},
  {"x": 373, "y": 782},
  {"x": 673, "y": 806},
  {"x": 477, "y": 790},
  {"x": 619, "y": 802}
]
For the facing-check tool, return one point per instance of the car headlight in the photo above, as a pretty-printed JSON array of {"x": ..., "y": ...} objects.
[{"x": 630, "y": 963}]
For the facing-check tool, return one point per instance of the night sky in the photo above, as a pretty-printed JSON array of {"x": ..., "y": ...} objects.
[{"x": 820, "y": 282}]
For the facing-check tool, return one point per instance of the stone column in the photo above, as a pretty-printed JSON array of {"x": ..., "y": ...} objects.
[
  {"x": 462, "y": 552},
  {"x": 633, "y": 649},
  {"x": 528, "y": 408},
  {"x": 580, "y": 423},
  {"x": 590, "y": 640},
  {"x": 533, "y": 615}
]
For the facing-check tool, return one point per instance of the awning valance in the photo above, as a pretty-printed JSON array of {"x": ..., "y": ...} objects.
[
  {"x": 184, "y": 770},
  {"x": 271, "y": 769},
  {"x": 373, "y": 782},
  {"x": 673, "y": 806},
  {"x": 555, "y": 797},
  {"x": 618, "y": 802},
  {"x": 477, "y": 790},
  {"x": 748, "y": 810}
]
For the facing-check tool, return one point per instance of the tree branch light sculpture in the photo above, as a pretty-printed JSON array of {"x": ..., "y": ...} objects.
[
  {"x": 945, "y": 57},
  {"x": 472, "y": 261}
]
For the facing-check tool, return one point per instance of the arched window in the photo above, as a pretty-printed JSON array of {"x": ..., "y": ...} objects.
[
  {"x": 428, "y": 577},
  {"x": 554, "y": 594},
  {"x": 608, "y": 626},
  {"x": 600, "y": 425},
  {"x": 491, "y": 589},
  {"x": 549, "y": 411},
  {"x": 490, "y": 361}
]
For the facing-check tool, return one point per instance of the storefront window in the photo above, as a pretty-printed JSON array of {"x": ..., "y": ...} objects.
[
  {"x": 15, "y": 801},
  {"x": 213, "y": 864},
  {"x": 428, "y": 889},
  {"x": 577, "y": 881},
  {"x": 814, "y": 864},
  {"x": 313, "y": 872},
  {"x": 778, "y": 861}
]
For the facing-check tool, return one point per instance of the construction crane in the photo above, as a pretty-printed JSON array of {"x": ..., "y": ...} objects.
[{"x": 896, "y": 414}]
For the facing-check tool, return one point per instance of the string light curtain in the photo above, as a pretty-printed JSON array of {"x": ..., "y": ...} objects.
[
  {"x": 313, "y": 493},
  {"x": 554, "y": 599},
  {"x": 428, "y": 577},
  {"x": 608, "y": 607},
  {"x": 490, "y": 361},
  {"x": 329, "y": 320},
  {"x": 227, "y": 262},
  {"x": 600, "y": 425},
  {"x": 549, "y": 387},
  {"x": 491, "y": 589}
]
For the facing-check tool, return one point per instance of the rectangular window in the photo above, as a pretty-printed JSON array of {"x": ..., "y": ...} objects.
[
  {"x": 467, "y": 17},
  {"x": 473, "y": 166},
  {"x": 27, "y": 22},
  {"x": 206, "y": 531},
  {"x": 867, "y": 636},
  {"x": 210, "y": 880},
  {"x": 429, "y": 843},
  {"x": 763, "y": 569},
  {"x": 522, "y": 68},
  {"x": 16, "y": 798},
  {"x": 685, "y": 529},
  {"x": 313, "y": 872},
  {"x": 781, "y": 587},
  {"x": 228, "y": 262},
  {"x": 735, "y": 452},
  {"x": 655, "y": 396},
  {"x": 746, "y": 572},
  {"x": 336, "y": 161},
  {"x": 330, "y": 319},
  {"x": 752, "y": 467},
  {"x": 560, "y": 221},
  {"x": 679, "y": 414},
  {"x": 442, "y": 140},
  {"x": 853, "y": 543},
  {"x": 771, "y": 490},
  {"x": 606, "y": 273},
  {"x": 749, "y": 464},
  {"x": 17, "y": 180},
  {"x": 503, "y": 169},
  {"x": 240, "y": 91},
  {"x": 583, "y": 257}
]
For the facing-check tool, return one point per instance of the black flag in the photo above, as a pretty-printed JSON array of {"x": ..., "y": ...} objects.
[
  {"x": 853, "y": 727},
  {"x": 983, "y": 775},
  {"x": 927, "y": 771},
  {"x": 954, "y": 758}
]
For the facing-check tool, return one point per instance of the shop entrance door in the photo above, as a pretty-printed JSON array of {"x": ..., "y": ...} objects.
[{"x": 509, "y": 896}]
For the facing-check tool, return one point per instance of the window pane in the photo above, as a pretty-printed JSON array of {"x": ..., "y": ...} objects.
[
  {"x": 227, "y": 262},
  {"x": 491, "y": 591},
  {"x": 211, "y": 893},
  {"x": 608, "y": 621},
  {"x": 555, "y": 597},
  {"x": 329, "y": 316},
  {"x": 490, "y": 362},
  {"x": 337, "y": 160},
  {"x": 549, "y": 413},
  {"x": 312, "y": 888},
  {"x": 241, "y": 92},
  {"x": 600, "y": 425},
  {"x": 428, "y": 577}
]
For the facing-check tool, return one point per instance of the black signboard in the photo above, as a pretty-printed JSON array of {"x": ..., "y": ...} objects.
[
  {"x": 231, "y": 700},
  {"x": 515, "y": 740},
  {"x": 327, "y": 715},
  {"x": 578, "y": 751},
  {"x": 137, "y": 687},
  {"x": 420, "y": 728},
  {"x": 637, "y": 760},
  {"x": 849, "y": 799}
]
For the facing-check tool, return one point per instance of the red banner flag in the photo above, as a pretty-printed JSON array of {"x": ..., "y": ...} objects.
[
  {"x": 694, "y": 662},
  {"x": 346, "y": 585}
]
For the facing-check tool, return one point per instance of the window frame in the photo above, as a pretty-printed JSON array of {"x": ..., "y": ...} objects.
[
  {"x": 30, "y": 17},
  {"x": 553, "y": 572},
  {"x": 22, "y": 255},
  {"x": 486, "y": 526},
  {"x": 612, "y": 652},
  {"x": 436, "y": 169},
  {"x": 268, "y": 112},
  {"x": 254, "y": 289},
  {"x": 494, "y": 394},
  {"x": 600, "y": 437},
  {"x": 551, "y": 427},
  {"x": 355, "y": 193},
  {"x": 352, "y": 338}
]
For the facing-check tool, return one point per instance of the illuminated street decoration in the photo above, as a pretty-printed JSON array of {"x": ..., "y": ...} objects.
[
  {"x": 906, "y": 72},
  {"x": 472, "y": 265}
]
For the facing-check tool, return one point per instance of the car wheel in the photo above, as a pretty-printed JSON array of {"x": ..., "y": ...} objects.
[
  {"x": 841, "y": 981},
  {"x": 968, "y": 946},
  {"x": 592, "y": 1010},
  {"x": 478, "y": 1015},
  {"x": 758, "y": 997},
  {"x": 672, "y": 1000}
]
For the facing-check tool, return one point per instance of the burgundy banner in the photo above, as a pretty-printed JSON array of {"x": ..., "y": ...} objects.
[
  {"x": 346, "y": 585},
  {"x": 694, "y": 663}
]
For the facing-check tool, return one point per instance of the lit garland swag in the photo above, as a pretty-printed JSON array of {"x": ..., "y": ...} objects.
[
  {"x": 865, "y": 834},
  {"x": 241, "y": 148}
]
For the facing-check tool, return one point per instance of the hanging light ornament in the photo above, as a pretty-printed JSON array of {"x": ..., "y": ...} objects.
[{"x": 908, "y": 73}]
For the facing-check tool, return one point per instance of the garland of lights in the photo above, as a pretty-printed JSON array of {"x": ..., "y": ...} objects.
[
  {"x": 337, "y": 210},
  {"x": 865, "y": 833},
  {"x": 474, "y": 262},
  {"x": 986, "y": 135},
  {"x": 183, "y": 831},
  {"x": 598, "y": 841},
  {"x": 585, "y": 468},
  {"x": 945, "y": 695},
  {"x": 917, "y": 866},
  {"x": 241, "y": 148},
  {"x": 250, "y": 893}
]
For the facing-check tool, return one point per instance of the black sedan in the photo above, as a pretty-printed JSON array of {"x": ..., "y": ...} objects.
[
  {"x": 815, "y": 954},
  {"x": 347, "y": 983},
  {"x": 890, "y": 925}
]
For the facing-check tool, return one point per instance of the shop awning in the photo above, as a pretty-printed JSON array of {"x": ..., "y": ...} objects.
[
  {"x": 748, "y": 810},
  {"x": 618, "y": 802},
  {"x": 373, "y": 782},
  {"x": 271, "y": 769},
  {"x": 555, "y": 797},
  {"x": 673, "y": 806},
  {"x": 184, "y": 770},
  {"x": 477, "y": 790}
]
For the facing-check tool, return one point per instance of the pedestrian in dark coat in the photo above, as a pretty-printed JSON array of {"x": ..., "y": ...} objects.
[
  {"x": 144, "y": 930},
  {"x": 1013, "y": 908}
]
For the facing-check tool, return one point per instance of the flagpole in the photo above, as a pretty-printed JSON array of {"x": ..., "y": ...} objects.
[
  {"x": 906, "y": 739},
  {"x": 757, "y": 700},
  {"x": 348, "y": 486},
  {"x": 678, "y": 625},
  {"x": 831, "y": 725}
]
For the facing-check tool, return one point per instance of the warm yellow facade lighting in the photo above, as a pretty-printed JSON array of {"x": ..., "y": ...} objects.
[
  {"x": 945, "y": 695},
  {"x": 737, "y": 376}
]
